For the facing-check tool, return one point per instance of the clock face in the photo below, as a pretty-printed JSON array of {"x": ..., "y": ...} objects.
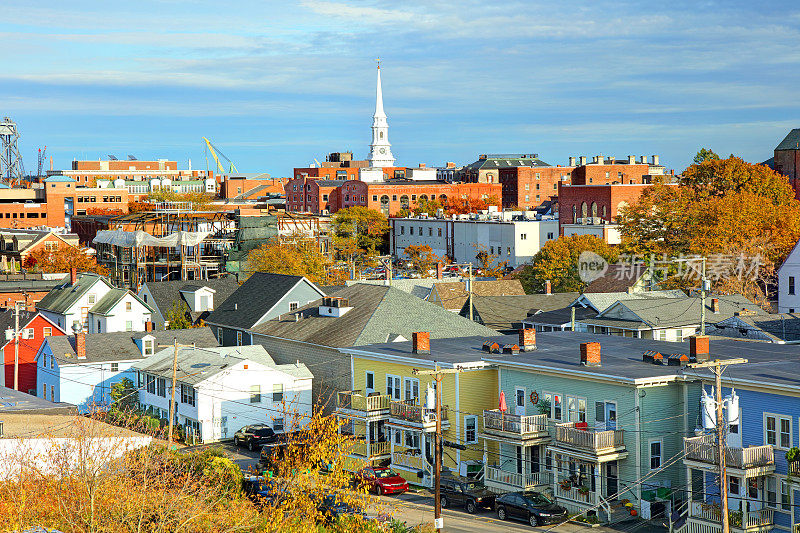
[{"x": 382, "y": 150}]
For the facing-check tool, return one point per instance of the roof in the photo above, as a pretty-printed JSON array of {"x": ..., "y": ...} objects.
[
  {"x": 59, "y": 179},
  {"x": 330, "y": 183},
  {"x": 121, "y": 345},
  {"x": 378, "y": 313},
  {"x": 507, "y": 161},
  {"x": 603, "y": 300},
  {"x": 559, "y": 317},
  {"x": 253, "y": 299},
  {"x": 61, "y": 298},
  {"x": 419, "y": 287},
  {"x": 791, "y": 141},
  {"x": 454, "y": 295},
  {"x": 618, "y": 278},
  {"x": 29, "y": 285},
  {"x": 779, "y": 327},
  {"x": 7, "y": 319},
  {"x": 14, "y": 401},
  {"x": 508, "y": 312},
  {"x": 111, "y": 299},
  {"x": 196, "y": 365},
  {"x": 164, "y": 293}
]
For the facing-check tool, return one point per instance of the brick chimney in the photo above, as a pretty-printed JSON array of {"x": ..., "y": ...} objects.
[
  {"x": 80, "y": 345},
  {"x": 73, "y": 276},
  {"x": 590, "y": 353},
  {"x": 421, "y": 342},
  {"x": 439, "y": 270},
  {"x": 527, "y": 339},
  {"x": 548, "y": 287},
  {"x": 715, "y": 305},
  {"x": 698, "y": 347},
  {"x": 148, "y": 326}
]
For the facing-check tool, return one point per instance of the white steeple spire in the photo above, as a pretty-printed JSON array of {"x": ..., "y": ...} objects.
[{"x": 380, "y": 151}]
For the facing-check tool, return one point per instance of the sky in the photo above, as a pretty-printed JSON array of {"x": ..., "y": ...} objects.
[{"x": 276, "y": 84}]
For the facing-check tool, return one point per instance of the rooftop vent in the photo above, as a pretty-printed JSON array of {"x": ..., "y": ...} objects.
[
  {"x": 512, "y": 349},
  {"x": 491, "y": 346}
]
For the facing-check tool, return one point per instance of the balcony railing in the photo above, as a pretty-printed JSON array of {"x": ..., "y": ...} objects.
[
  {"x": 376, "y": 449},
  {"x": 519, "y": 481},
  {"x": 355, "y": 401},
  {"x": 495, "y": 420},
  {"x": 712, "y": 512},
  {"x": 794, "y": 470},
  {"x": 588, "y": 438},
  {"x": 415, "y": 413},
  {"x": 411, "y": 461},
  {"x": 704, "y": 449},
  {"x": 573, "y": 493}
]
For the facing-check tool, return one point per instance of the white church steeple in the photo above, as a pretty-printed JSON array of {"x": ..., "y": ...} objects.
[{"x": 380, "y": 151}]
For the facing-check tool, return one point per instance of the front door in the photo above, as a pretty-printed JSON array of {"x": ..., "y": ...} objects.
[
  {"x": 533, "y": 459},
  {"x": 611, "y": 415},
  {"x": 611, "y": 479},
  {"x": 519, "y": 401}
]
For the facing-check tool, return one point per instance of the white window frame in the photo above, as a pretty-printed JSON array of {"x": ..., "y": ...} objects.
[
  {"x": 577, "y": 410},
  {"x": 294, "y": 306},
  {"x": 277, "y": 392},
  {"x": 405, "y": 393},
  {"x": 278, "y": 424},
  {"x": 778, "y": 419},
  {"x": 777, "y": 487},
  {"x": 47, "y": 332},
  {"x": 548, "y": 396},
  {"x": 784, "y": 505},
  {"x": 474, "y": 420},
  {"x": 255, "y": 393},
  {"x": 367, "y": 375},
  {"x": 396, "y": 392},
  {"x": 660, "y": 452}
]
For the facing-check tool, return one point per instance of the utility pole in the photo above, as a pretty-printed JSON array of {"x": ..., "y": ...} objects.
[
  {"x": 437, "y": 374},
  {"x": 718, "y": 367},
  {"x": 572, "y": 318},
  {"x": 16, "y": 344},
  {"x": 703, "y": 288},
  {"x": 175, "y": 345},
  {"x": 471, "y": 281}
]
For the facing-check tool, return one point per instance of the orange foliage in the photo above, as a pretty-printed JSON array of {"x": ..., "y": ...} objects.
[{"x": 63, "y": 260}]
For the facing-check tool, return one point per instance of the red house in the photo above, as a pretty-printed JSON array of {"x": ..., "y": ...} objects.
[{"x": 33, "y": 328}]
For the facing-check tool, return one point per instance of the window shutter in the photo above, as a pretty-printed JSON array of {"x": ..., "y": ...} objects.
[{"x": 600, "y": 411}]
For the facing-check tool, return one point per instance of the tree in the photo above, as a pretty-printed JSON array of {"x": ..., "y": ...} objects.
[
  {"x": 705, "y": 154},
  {"x": 724, "y": 176},
  {"x": 177, "y": 316},
  {"x": 422, "y": 257},
  {"x": 364, "y": 229},
  {"x": 200, "y": 200},
  {"x": 557, "y": 261},
  {"x": 124, "y": 396},
  {"x": 62, "y": 260},
  {"x": 464, "y": 206},
  {"x": 487, "y": 262},
  {"x": 422, "y": 207},
  {"x": 296, "y": 255}
]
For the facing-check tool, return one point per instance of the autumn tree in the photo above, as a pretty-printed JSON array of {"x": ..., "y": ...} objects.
[
  {"x": 422, "y": 207},
  {"x": 177, "y": 316},
  {"x": 557, "y": 261},
  {"x": 359, "y": 231},
  {"x": 201, "y": 201},
  {"x": 295, "y": 255},
  {"x": 489, "y": 262},
  {"x": 124, "y": 395},
  {"x": 705, "y": 154},
  {"x": 422, "y": 257},
  {"x": 62, "y": 260}
]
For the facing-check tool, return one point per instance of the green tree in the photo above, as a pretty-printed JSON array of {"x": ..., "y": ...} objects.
[
  {"x": 422, "y": 256},
  {"x": 124, "y": 396},
  {"x": 177, "y": 317},
  {"x": 705, "y": 154},
  {"x": 296, "y": 255},
  {"x": 361, "y": 228},
  {"x": 557, "y": 261}
]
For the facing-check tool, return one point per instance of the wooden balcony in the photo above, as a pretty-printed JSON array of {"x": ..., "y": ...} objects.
[
  {"x": 574, "y": 494},
  {"x": 750, "y": 521},
  {"x": 752, "y": 460},
  {"x": 609, "y": 442},
  {"x": 500, "y": 479},
  {"x": 355, "y": 404},
  {"x": 794, "y": 471},
  {"x": 409, "y": 414},
  {"x": 413, "y": 461},
  {"x": 371, "y": 450},
  {"x": 514, "y": 426}
]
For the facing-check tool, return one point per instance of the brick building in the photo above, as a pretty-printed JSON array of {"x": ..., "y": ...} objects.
[
  {"x": 87, "y": 172},
  {"x": 487, "y": 168},
  {"x": 251, "y": 186},
  {"x": 530, "y": 187},
  {"x": 787, "y": 159},
  {"x": 604, "y": 170}
]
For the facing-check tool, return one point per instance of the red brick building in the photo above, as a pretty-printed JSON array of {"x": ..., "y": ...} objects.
[
  {"x": 87, "y": 172},
  {"x": 33, "y": 329},
  {"x": 251, "y": 187},
  {"x": 529, "y": 187},
  {"x": 787, "y": 159},
  {"x": 577, "y": 202}
]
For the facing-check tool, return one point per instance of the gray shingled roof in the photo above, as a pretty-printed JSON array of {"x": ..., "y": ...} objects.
[
  {"x": 507, "y": 312},
  {"x": 507, "y": 161},
  {"x": 65, "y": 295},
  {"x": 603, "y": 300},
  {"x": 112, "y": 298},
  {"x": 196, "y": 365},
  {"x": 791, "y": 142},
  {"x": 254, "y": 298},
  {"x": 453, "y": 294},
  {"x": 779, "y": 328},
  {"x": 166, "y": 292},
  {"x": 378, "y": 313},
  {"x": 121, "y": 346}
]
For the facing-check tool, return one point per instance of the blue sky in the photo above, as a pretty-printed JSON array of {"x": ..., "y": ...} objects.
[{"x": 275, "y": 84}]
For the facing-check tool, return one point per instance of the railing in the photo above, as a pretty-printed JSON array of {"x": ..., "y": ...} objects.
[
  {"x": 375, "y": 448},
  {"x": 415, "y": 413},
  {"x": 520, "y": 481},
  {"x": 494, "y": 419},
  {"x": 704, "y": 449},
  {"x": 587, "y": 438},
  {"x": 794, "y": 470},
  {"x": 358, "y": 402},
  {"x": 576, "y": 494},
  {"x": 411, "y": 462},
  {"x": 712, "y": 512}
]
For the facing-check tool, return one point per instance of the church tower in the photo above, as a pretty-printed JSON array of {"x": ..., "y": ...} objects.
[{"x": 380, "y": 151}]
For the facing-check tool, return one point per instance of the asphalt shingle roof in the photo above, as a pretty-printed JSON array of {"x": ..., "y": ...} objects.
[
  {"x": 255, "y": 297},
  {"x": 378, "y": 313},
  {"x": 65, "y": 295},
  {"x": 506, "y": 161},
  {"x": 791, "y": 142},
  {"x": 121, "y": 346},
  {"x": 603, "y": 300},
  {"x": 508, "y": 312},
  {"x": 454, "y": 295},
  {"x": 618, "y": 278},
  {"x": 166, "y": 292},
  {"x": 112, "y": 298}
]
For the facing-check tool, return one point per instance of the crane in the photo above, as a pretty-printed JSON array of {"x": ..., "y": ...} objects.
[
  {"x": 216, "y": 154},
  {"x": 42, "y": 159}
]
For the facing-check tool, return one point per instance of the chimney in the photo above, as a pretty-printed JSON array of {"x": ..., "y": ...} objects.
[
  {"x": 73, "y": 276},
  {"x": 698, "y": 348},
  {"x": 582, "y": 160},
  {"x": 631, "y": 159},
  {"x": 80, "y": 344},
  {"x": 148, "y": 326},
  {"x": 439, "y": 270},
  {"x": 600, "y": 159},
  {"x": 548, "y": 287},
  {"x": 715, "y": 305},
  {"x": 527, "y": 339},
  {"x": 655, "y": 159},
  {"x": 572, "y": 161},
  {"x": 590, "y": 353},
  {"x": 644, "y": 160},
  {"x": 421, "y": 342}
]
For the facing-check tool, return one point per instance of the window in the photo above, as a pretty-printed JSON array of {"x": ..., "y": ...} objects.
[
  {"x": 47, "y": 332},
  {"x": 430, "y": 232},
  {"x": 369, "y": 382},
  {"x": 148, "y": 347},
  {"x": 557, "y": 406},
  {"x": 44, "y": 390},
  {"x": 53, "y": 398},
  {"x": 411, "y": 230},
  {"x": 277, "y": 392},
  {"x": 548, "y": 397},
  {"x": 393, "y": 387},
  {"x": 293, "y": 306},
  {"x": 277, "y": 424},
  {"x": 523, "y": 236},
  {"x": 549, "y": 235},
  {"x": 219, "y": 335},
  {"x": 188, "y": 394},
  {"x": 151, "y": 383},
  {"x": 440, "y": 232},
  {"x": 470, "y": 429},
  {"x": 28, "y": 333},
  {"x": 791, "y": 284},
  {"x": 778, "y": 431},
  {"x": 255, "y": 393},
  {"x": 92, "y": 299},
  {"x": 402, "y": 230},
  {"x": 161, "y": 387},
  {"x": 324, "y": 197},
  {"x": 786, "y": 433},
  {"x": 99, "y": 327},
  {"x": 52, "y": 361},
  {"x": 786, "y": 504},
  {"x": 655, "y": 454},
  {"x": 128, "y": 325},
  {"x": 733, "y": 485},
  {"x": 772, "y": 492},
  {"x": 115, "y": 367},
  {"x": 576, "y": 409},
  {"x": 238, "y": 338},
  {"x": 128, "y": 306},
  {"x": 411, "y": 390}
]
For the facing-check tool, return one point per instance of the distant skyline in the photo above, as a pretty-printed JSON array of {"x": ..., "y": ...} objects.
[{"x": 276, "y": 84}]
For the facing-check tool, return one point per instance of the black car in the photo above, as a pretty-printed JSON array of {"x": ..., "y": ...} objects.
[
  {"x": 333, "y": 507},
  {"x": 469, "y": 494},
  {"x": 254, "y": 436},
  {"x": 532, "y": 507},
  {"x": 262, "y": 490}
]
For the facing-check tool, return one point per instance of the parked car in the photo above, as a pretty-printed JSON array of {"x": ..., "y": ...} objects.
[
  {"x": 469, "y": 494},
  {"x": 381, "y": 480},
  {"x": 333, "y": 507},
  {"x": 254, "y": 436},
  {"x": 262, "y": 490},
  {"x": 532, "y": 507}
]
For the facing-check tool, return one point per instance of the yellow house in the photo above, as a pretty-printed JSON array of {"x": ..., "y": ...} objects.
[{"x": 386, "y": 409}]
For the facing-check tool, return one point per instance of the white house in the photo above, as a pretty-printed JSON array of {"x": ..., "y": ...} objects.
[
  {"x": 220, "y": 390},
  {"x": 89, "y": 302},
  {"x": 788, "y": 277},
  {"x": 512, "y": 236},
  {"x": 81, "y": 369}
]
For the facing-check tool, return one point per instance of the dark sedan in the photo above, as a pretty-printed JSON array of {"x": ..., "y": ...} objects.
[
  {"x": 254, "y": 436},
  {"x": 532, "y": 507}
]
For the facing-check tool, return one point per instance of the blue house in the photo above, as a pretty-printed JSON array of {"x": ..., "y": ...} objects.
[{"x": 82, "y": 369}]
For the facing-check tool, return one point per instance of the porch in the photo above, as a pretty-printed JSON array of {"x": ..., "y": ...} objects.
[
  {"x": 707, "y": 518},
  {"x": 752, "y": 461},
  {"x": 354, "y": 404},
  {"x": 408, "y": 414},
  {"x": 595, "y": 444},
  {"x": 410, "y": 463},
  {"x": 516, "y": 427},
  {"x": 501, "y": 480}
]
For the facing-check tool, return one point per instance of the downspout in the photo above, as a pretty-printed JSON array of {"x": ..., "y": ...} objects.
[
  {"x": 458, "y": 422},
  {"x": 638, "y": 423}
]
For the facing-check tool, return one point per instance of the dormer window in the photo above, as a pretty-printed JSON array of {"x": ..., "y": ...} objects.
[{"x": 147, "y": 347}]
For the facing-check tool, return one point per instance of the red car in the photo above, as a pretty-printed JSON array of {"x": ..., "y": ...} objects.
[{"x": 382, "y": 480}]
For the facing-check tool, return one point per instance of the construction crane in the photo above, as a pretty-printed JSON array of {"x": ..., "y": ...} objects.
[
  {"x": 42, "y": 159},
  {"x": 11, "y": 168},
  {"x": 216, "y": 154}
]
